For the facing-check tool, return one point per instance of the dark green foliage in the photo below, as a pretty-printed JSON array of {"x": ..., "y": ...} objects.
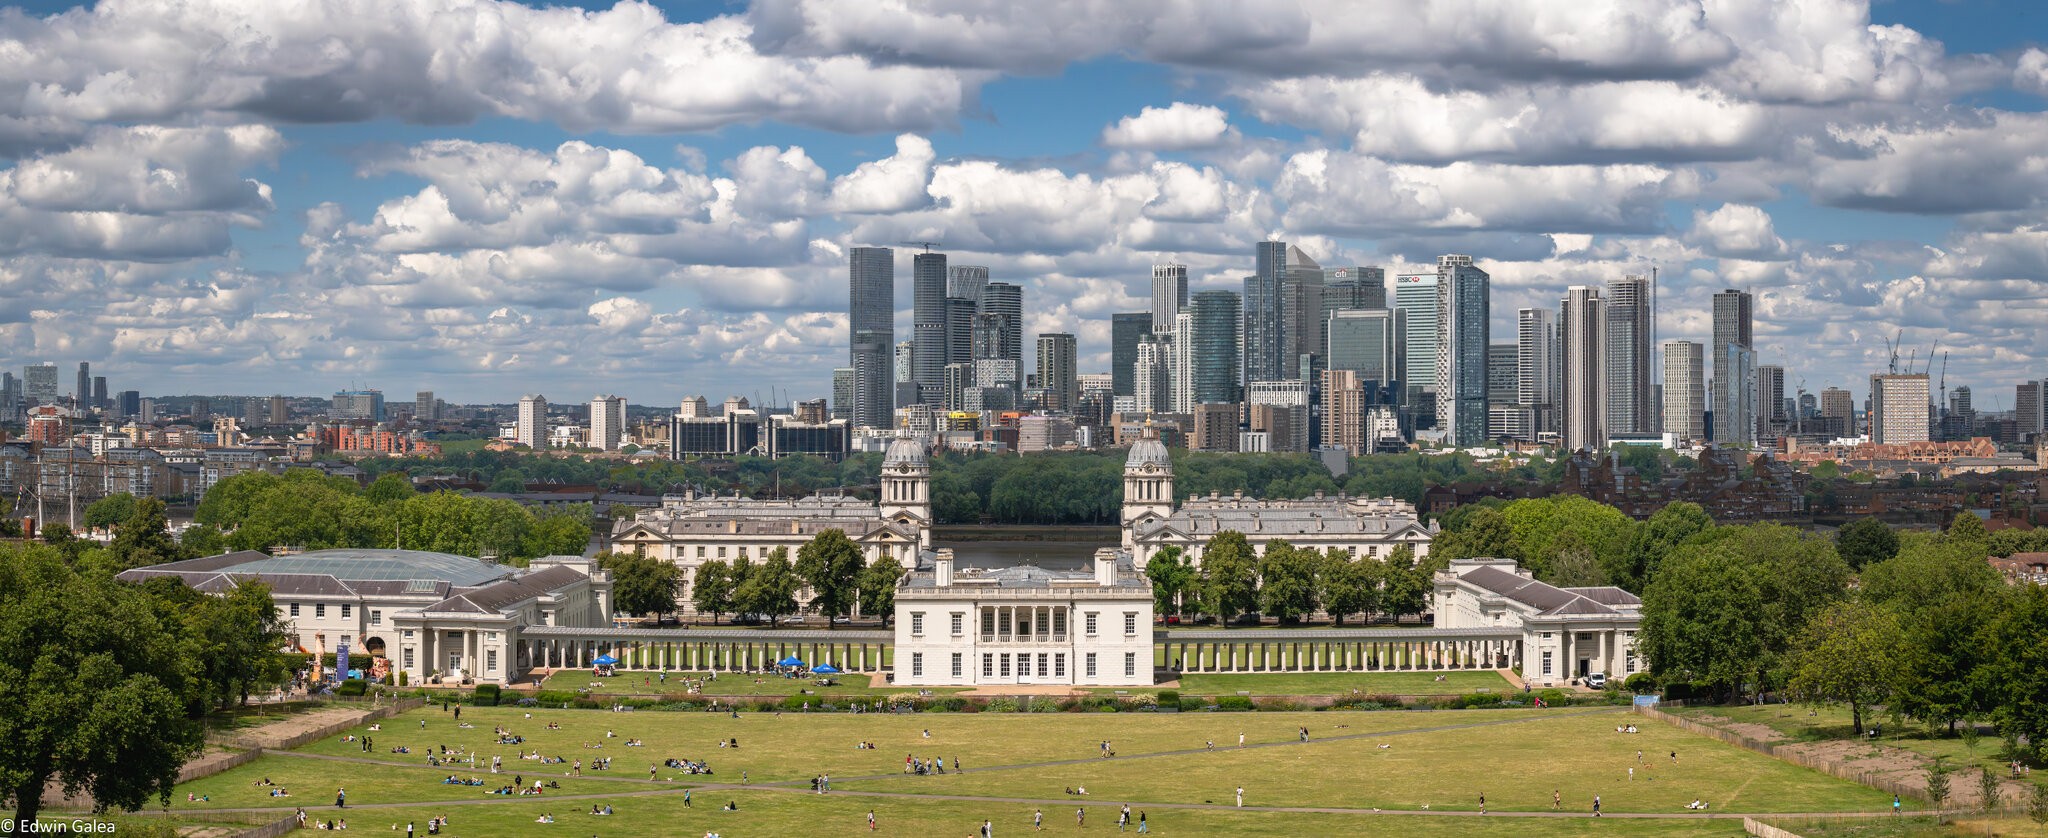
[
  {"x": 1866, "y": 541},
  {"x": 830, "y": 564},
  {"x": 352, "y": 687},
  {"x": 486, "y": 695},
  {"x": 769, "y": 590},
  {"x": 1287, "y": 581},
  {"x": 641, "y": 585},
  {"x": 1229, "y": 576},
  {"x": 878, "y": 588},
  {"x": 303, "y": 508},
  {"x": 1173, "y": 579},
  {"x": 712, "y": 590}
]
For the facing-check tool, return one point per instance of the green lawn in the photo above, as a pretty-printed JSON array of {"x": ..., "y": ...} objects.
[
  {"x": 770, "y": 813},
  {"x": 1517, "y": 766},
  {"x": 1334, "y": 683},
  {"x": 649, "y": 683},
  {"x": 1799, "y": 722},
  {"x": 1908, "y": 827}
]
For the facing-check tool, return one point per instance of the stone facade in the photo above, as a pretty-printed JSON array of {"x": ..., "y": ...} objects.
[
  {"x": 1024, "y": 625},
  {"x": 1567, "y": 633}
]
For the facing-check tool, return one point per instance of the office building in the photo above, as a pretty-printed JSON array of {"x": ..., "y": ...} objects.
[
  {"x": 81, "y": 395},
  {"x": 1582, "y": 336},
  {"x": 1151, "y": 386},
  {"x": 1057, "y": 356},
  {"x": 1169, "y": 295},
  {"x": 1125, "y": 330},
  {"x": 1839, "y": 408},
  {"x": 1898, "y": 408},
  {"x": 1627, "y": 355},
  {"x": 2028, "y": 408},
  {"x": 1262, "y": 343},
  {"x": 1301, "y": 316},
  {"x": 39, "y": 383},
  {"x": 353, "y": 404},
  {"x": 1368, "y": 342},
  {"x": 1003, "y": 304},
  {"x": 1462, "y": 316},
  {"x": 1415, "y": 294},
  {"x": 99, "y": 391},
  {"x": 871, "y": 332},
  {"x": 130, "y": 403},
  {"x": 1538, "y": 379},
  {"x": 1354, "y": 287},
  {"x": 964, "y": 282},
  {"x": 1770, "y": 400},
  {"x": 1685, "y": 391},
  {"x": 1731, "y": 328},
  {"x": 1215, "y": 317},
  {"x": 10, "y": 397},
  {"x": 928, "y": 325},
  {"x": 1736, "y": 423},
  {"x": 607, "y": 422},
  {"x": 424, "y": 407},
  {"x": 532, "y": 430},
  {"x": 959, "y": 330}
]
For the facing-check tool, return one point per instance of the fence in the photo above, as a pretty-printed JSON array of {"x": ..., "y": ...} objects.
[
  {"x": 1825, "y": 766},
  {"x": 276, "y": 828},
  {"x": 209, "y": 767},
  {"x": 285, "y": 743},
  {"x": 1764, "y": 830}
]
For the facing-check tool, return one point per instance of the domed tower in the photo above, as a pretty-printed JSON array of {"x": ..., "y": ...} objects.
[
  {"x": 1148, "y": 485},
  {"x": 907, "y": 487}
]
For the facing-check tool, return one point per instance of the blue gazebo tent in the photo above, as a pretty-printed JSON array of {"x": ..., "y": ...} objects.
[
  {"x": 605, "y": 660},
  {"x": 792, "y": 660},
  {"x": 826, "y": 669}
]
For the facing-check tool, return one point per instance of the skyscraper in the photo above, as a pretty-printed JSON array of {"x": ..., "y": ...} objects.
[
  {"x": 1503, "y": 373},
  {"x": 130, "y": 404},
  {"x": 842, "y": 393},
  {"x": 423, "y": 408},
  {"x": 10, "y": 397},
  {"x": 928, "y": 325},
  {"x": 1262, "y": 343},
  {"x": 39, "y": 382},
  {"x": 607, "y": 422},
  {"x": 959, "y": 330},
  {"x": 1125, "y": 330},
  {"x": 1005, "y": 301},
  {"x": 1368, "y": 342},
  {"x": 1056, "y": 371},
  {"x": 99, "y": 391},
  {"x": 1582, "y": 334},
  {"x": 1629, "y": 317},
  {"x": 965, "y": 282},
  {"x": 1416, "y": 295},
  {"x": 1898, "y": 408},
  {"x": 532, "y": 430},
  {"x": 1731, "y": 328},
  {"x": 1463, "y": 312},
  {"x": 1169, "y": 296},
  {"x": 1537, "y": 382},
  {"x": 2028, "y": 411},
  {"x": 871, "y": 333},
  {"x": 1151, "y": 381},
  {"x": 1736, "y": 424},
  {"x": 1355, "y": 287},
  {"x": 1684, "y": 390},
  {"x": 1839, "y": 409},
  {"x": 1770, "y": 398},
  {"x": 1301, "y": 316},
  {"x": 82, "y": 396},
  {"x": 1214, "y": 365}
]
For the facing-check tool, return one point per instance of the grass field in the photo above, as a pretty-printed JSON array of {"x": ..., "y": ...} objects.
[
  {"x": 1801, "y": 723},
  {"x": 1327, "y": 683},
  {"x": 1438, "y": 761}
]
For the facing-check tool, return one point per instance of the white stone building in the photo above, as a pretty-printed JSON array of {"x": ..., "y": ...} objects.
[
  {"x": 1567, "y": 633},
  {"x": 1024, "y": 625},
  {"x": 430, "y": 613},
  {"x": 1366, "y": 527},
  {"x": 689, "y": 530}
]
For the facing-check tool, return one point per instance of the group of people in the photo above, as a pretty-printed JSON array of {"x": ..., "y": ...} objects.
[{"x": 935, "y": 765}]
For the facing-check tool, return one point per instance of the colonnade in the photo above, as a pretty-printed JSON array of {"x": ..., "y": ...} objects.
[
  {"x": 1324, "y": 655},
  {"x": 685, "y": 654}
]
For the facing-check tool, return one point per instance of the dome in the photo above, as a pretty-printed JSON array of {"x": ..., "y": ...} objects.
[
  {"x": 1148, "y": 451},
  {"x": 905, "y": 451}
]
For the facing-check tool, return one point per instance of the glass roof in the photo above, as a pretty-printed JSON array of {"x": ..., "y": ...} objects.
[{"x": 367, "y": 565}]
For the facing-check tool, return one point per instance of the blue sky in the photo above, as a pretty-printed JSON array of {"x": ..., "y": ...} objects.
[{"x": 486, "y": 199}]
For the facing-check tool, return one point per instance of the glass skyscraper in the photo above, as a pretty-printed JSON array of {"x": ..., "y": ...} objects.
[
  {"x": 929, "y": 326},
  {"x": 1415, "y": 295},
  {"x": 1462, "y": 316},
  {"x": 1263, "y": 351},
  {"x": 1125, "y": 330},
  {"x": 871, "y": 325},
  {"x": 1212, "y": 352}
]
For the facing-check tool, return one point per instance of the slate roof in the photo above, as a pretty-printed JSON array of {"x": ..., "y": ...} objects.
[
  {"x": 1550, "y": 600},
  {"x": 497, "y": 595}
]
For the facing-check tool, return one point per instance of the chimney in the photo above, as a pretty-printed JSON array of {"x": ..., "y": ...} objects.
[
  {"x": 942, "y": 564},
  {"x": 1105, "y": 567}
]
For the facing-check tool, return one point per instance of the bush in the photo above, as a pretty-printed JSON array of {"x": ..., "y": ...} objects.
[
  {"x": 1002, "y": 705},
  {"x": 352, "y": 686},
  {"x": 1641, "y": 682},
  {"x": 1192, "y": 703},
  {"x": 1169, "y": 698},
  {"x": 486, "y": 695},
  {"x": 1270, "y": 705},
  {"x": 401, "y": 678},
  {"x": 1234, "y": 703},
  {"x": 948, "y": 704},
  {"x": 556, "y": 698},
  {"x": 528, "y": 702}
]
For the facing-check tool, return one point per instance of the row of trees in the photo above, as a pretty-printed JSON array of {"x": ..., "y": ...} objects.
[
  {"x": 1288, "y": 582},
  {"x": 107, "y": 682},
  {"x": 830, "y": 577},
  {"x": 260, "y": 510}
]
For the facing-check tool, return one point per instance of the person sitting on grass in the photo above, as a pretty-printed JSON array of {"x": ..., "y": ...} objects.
[
  {"x": 730, "y": 806},
  {"x": 547, "y": 818},
  {"x": 1696, "y": 804}
]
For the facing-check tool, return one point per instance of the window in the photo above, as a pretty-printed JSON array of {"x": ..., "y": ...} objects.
[
  {"x": 959, "y": 623},
  {"x": 1059, "y": 666},
  {"x": 988, "y": 665},
  {"x": 1546, "y": 663},
  {"x": 1546, "y": 635},
  {"x": 408, "y": 634},
  {"x": 1130, "y": 664},
  {"x": 956, "y": 664},
  {"x": 917, "y": 624},
  {"x": 1130, "y": 623},
  {"x": 1091, "y": 665},
  {"x": 376, "y": 617},
  {"x": 348, "y": 640},
  {"x": 408, "y": 657},
  {"x": 344, "y": 610},
  {"x": 295, "y": 609},
  {"x": 491, "y": 660},
  {"x": 988, "y": 623},
  {"x": 1631, "y": 660},
  {"x": 1059, "y": 623},
  {"x": 1089, "y": 625},
  {"x": 743, "y": 551},
  {"x": 700, "y": 551},
  {"x": 319, "y": 610},
  {"x": 721, "y": 551},
  {"x": 917, "y": 664},
  {"x": 1041, "y": 663}
]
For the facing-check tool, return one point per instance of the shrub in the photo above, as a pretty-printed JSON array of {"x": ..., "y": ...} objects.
[
  {"x": 1641, "y": 682},
  {"x": 1234, "y": 703},
  {"x": 556, "y": 697},
  {"x": 529, "y": 702},
  {"x": 1277, "y": 705},
  {"x": 352, "y": 686},
  {"x": 1192, "y": 703},
  {"x": 485, "y": 695},
  {"x": 585, "y": 704},
  {"x": 948, "y": 704},
  {"x": 1002, "y": 705},
  {"x": 401, "y": 678},
  {"x": 1168, "y": 698}
]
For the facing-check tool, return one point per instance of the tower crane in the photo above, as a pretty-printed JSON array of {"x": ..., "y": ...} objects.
[{"x": 926, "y": 245}]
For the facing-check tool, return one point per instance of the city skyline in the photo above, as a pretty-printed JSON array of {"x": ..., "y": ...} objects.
[{"x": 238, "y": 220}]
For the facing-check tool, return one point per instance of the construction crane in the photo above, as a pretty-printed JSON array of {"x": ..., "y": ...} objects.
[
  {"x": 926, "y": 245},
  {"x": 1891, "y": 346}
]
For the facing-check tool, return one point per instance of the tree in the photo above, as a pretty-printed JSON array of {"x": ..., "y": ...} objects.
[
  {"x": 1229, "y": 580},
  {"x": 1969, "y": 529},
  {"x": 770, "y": 588},
  {"x": 560, "y": 533},
  {"x": 1700, "y": 618},
  {"x": 1848, "y": 654},
  {"x": 1937, "y": 782},
  {"x": 1348, "y": 585},
  {"x": 2016, "y": 668},
  {"x": 390, "y": 488},
  {"x": 101, "y": 711},
  {"x": 2037, "y": 803},
  {"x": 642, "y": 584},
  {"x": 1287, "y": 581},
  {"x": 878, "y": 588},
  {"x": 1987, "y": 790},
  {"x": 145, "y": 538},
  {"x": 1407, "y": 583},
  {"x": 234, "y": 642},
  {"x": 1172, "y": 575},
  {"x": 203, "y": 540},
  {"x": 108, "y": 511},
  {"x": 712, "y": 590},
  {"x": 1573, "y": 565},
  {"x": 831, "y": 564},
  {"x": 1655, "y": 539},
  {"x": 507, "y": 485},
  {"x": 1866, "y": 541},
  {"x": 1535, "y": 523}
]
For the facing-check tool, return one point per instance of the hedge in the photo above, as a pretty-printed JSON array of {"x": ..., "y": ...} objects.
[
  {"x": 486, "y": 695},
  {"x": 352, "y": 686}
]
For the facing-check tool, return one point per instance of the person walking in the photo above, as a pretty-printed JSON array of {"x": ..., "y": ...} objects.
[
  {"x": 686, "y": 798},
  {"x": 1556, "y": 799},
  {"x": 1596, "y": 805},
  {"x": 871, "y": 820},
  {"x": 1240, "y": 738},
  {"x": 1240, "y": 797},
  {"x": 988, "y": 828},
  {"x": 1142, "y": 827},
  {"x": 1123, "y": 817},
  {"x": 1038, "y": 820},
  {"x": 341, "y": 798},
  {"x": 1482, "y": 803},
  {"x": 1081, "y": 817}
]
